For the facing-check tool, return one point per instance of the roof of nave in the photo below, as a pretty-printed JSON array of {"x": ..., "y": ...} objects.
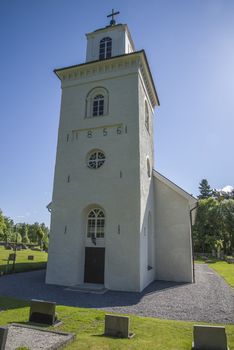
[{"x": 176, "y": 188}]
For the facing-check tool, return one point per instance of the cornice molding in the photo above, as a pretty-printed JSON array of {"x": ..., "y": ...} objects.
[{"x": 124, "y": 64}]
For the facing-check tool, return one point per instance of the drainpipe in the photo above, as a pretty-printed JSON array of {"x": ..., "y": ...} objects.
[{"x": 190, "y": 215}]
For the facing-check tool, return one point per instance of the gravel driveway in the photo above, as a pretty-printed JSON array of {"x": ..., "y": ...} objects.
[{"x": 210, "y": 299}]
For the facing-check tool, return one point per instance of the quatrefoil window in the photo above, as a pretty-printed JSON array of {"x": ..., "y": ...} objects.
[{"x": 96, "y": 159}]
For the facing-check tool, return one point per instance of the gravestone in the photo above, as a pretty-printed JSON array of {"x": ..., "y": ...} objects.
[
  {"x": 12, "y": 257},
  {"x": 3, "y": 337},
  {"x": 117, "y": 326},
  {"x": 43, "y": 312},
  {"x": 209, "y": 338},
  {"x": 30, "y": 257}
]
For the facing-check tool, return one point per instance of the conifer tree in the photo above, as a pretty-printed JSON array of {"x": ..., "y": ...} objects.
[{"x": 205, "y": 190}]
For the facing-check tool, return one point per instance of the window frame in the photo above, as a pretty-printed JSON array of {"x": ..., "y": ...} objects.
[
  {"x": 97, "y": 161},
  {"x": 105, "y": 48},
  {"x": 102, "y": 108},
  {"x": 95, "y": 223},
  {"x": 98, "y": 105}
]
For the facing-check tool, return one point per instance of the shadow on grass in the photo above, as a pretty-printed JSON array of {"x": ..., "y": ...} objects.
[
  {"x": 103, "y": 336},
  {"x": 22, "y": 267},
  {"x": 34, "y": 324},
  {"x": 210, "y": 260},
  {"x": 109, "y": 336},
  {"x": 7, "y": 303}
]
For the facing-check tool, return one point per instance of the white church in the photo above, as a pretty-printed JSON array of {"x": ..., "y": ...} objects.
[{"x": 115, "y": 221}]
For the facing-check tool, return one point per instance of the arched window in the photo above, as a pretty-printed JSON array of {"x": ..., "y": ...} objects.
[
  {"x": 105, "y": 48},
  {"x": 96, "y": 159},
  {"x": 98, "y": 105},
  {"x": 96, "y": 223},
  {"x": 97, "y": 102},
  {"x": 146, "y": 116}
]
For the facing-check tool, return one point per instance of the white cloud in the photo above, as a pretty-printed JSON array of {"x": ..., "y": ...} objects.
[{"x": 227, "y": 189}]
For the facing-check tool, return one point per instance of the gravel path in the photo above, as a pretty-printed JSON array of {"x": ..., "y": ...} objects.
[{"x": 210, "y": 299}]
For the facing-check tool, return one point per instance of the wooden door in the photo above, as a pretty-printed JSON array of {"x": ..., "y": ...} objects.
[{"x": 94, "y": 265}]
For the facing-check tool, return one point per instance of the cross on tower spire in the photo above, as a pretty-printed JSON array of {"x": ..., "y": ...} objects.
[{"x": 112, "y": 22}]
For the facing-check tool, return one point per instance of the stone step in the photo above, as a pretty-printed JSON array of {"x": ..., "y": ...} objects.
[{"x": 88, "y": 288}]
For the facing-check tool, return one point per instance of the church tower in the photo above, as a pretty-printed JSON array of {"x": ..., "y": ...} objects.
[{"x": 102, "y": 212}]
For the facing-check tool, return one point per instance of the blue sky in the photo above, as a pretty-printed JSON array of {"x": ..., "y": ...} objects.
[{"x": 190, "y": 48}]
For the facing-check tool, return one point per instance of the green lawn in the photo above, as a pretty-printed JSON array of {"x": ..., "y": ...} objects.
[
  {"x": 88, "y": 325},
  {"x": 223, "y": 268},
  {"x": 22, "y": 263}
]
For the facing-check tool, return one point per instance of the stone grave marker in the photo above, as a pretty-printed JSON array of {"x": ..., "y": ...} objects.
[
  {"x": 3, "y": 337},
  {"x": 209, "y": 338},
  {"x": 30, "y": 257},
  {"x": 12, "y": 257},
  {"x": 117, "y": 326},
  {"x": 43, "y": 312}
]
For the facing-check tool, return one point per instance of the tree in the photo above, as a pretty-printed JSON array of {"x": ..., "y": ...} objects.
[
  {"x": 2, "y": 226},
  {"x": 45, "y": 242},
  {"x": 40, "y": 235},
  {"x": 218, "y": 246},
  {"x": 9, "y": 229},
  {"x": 232, "y": 194},
  {"x": 214, "y": 226},
  {"x": 205, "y": 190},
  {"x": 16, "y": 237},
  {"x": 207, "y": 226},
  {"x": 228, "y": 227},
  {"x": 32, "y": 232},
  {"x": 24, "y": 234}
]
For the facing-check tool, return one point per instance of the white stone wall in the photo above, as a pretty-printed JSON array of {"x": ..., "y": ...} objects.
[
  {"x": 118, "y": 196},
  {"x": 173, "y": 246},
  {"x": 146, "y": 149}
]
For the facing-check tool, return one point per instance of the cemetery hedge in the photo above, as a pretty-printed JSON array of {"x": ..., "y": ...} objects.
[
  {"x": 88, "y": 325},
  {"x": 22, "y": 263}
]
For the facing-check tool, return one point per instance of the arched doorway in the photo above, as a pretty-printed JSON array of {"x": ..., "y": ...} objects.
[{"x": 94, "y": 249}]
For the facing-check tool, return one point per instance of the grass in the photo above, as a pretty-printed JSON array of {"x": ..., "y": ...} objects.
[
  {"x": 223, "y": 268},
  {"x": 88, "y": 325},
  {"x": 22, "y": 263}
]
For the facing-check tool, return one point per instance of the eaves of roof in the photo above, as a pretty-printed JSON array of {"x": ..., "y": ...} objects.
[
  {"x": 142, "y": 52},
  {"x": 176, "y": 188}
]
